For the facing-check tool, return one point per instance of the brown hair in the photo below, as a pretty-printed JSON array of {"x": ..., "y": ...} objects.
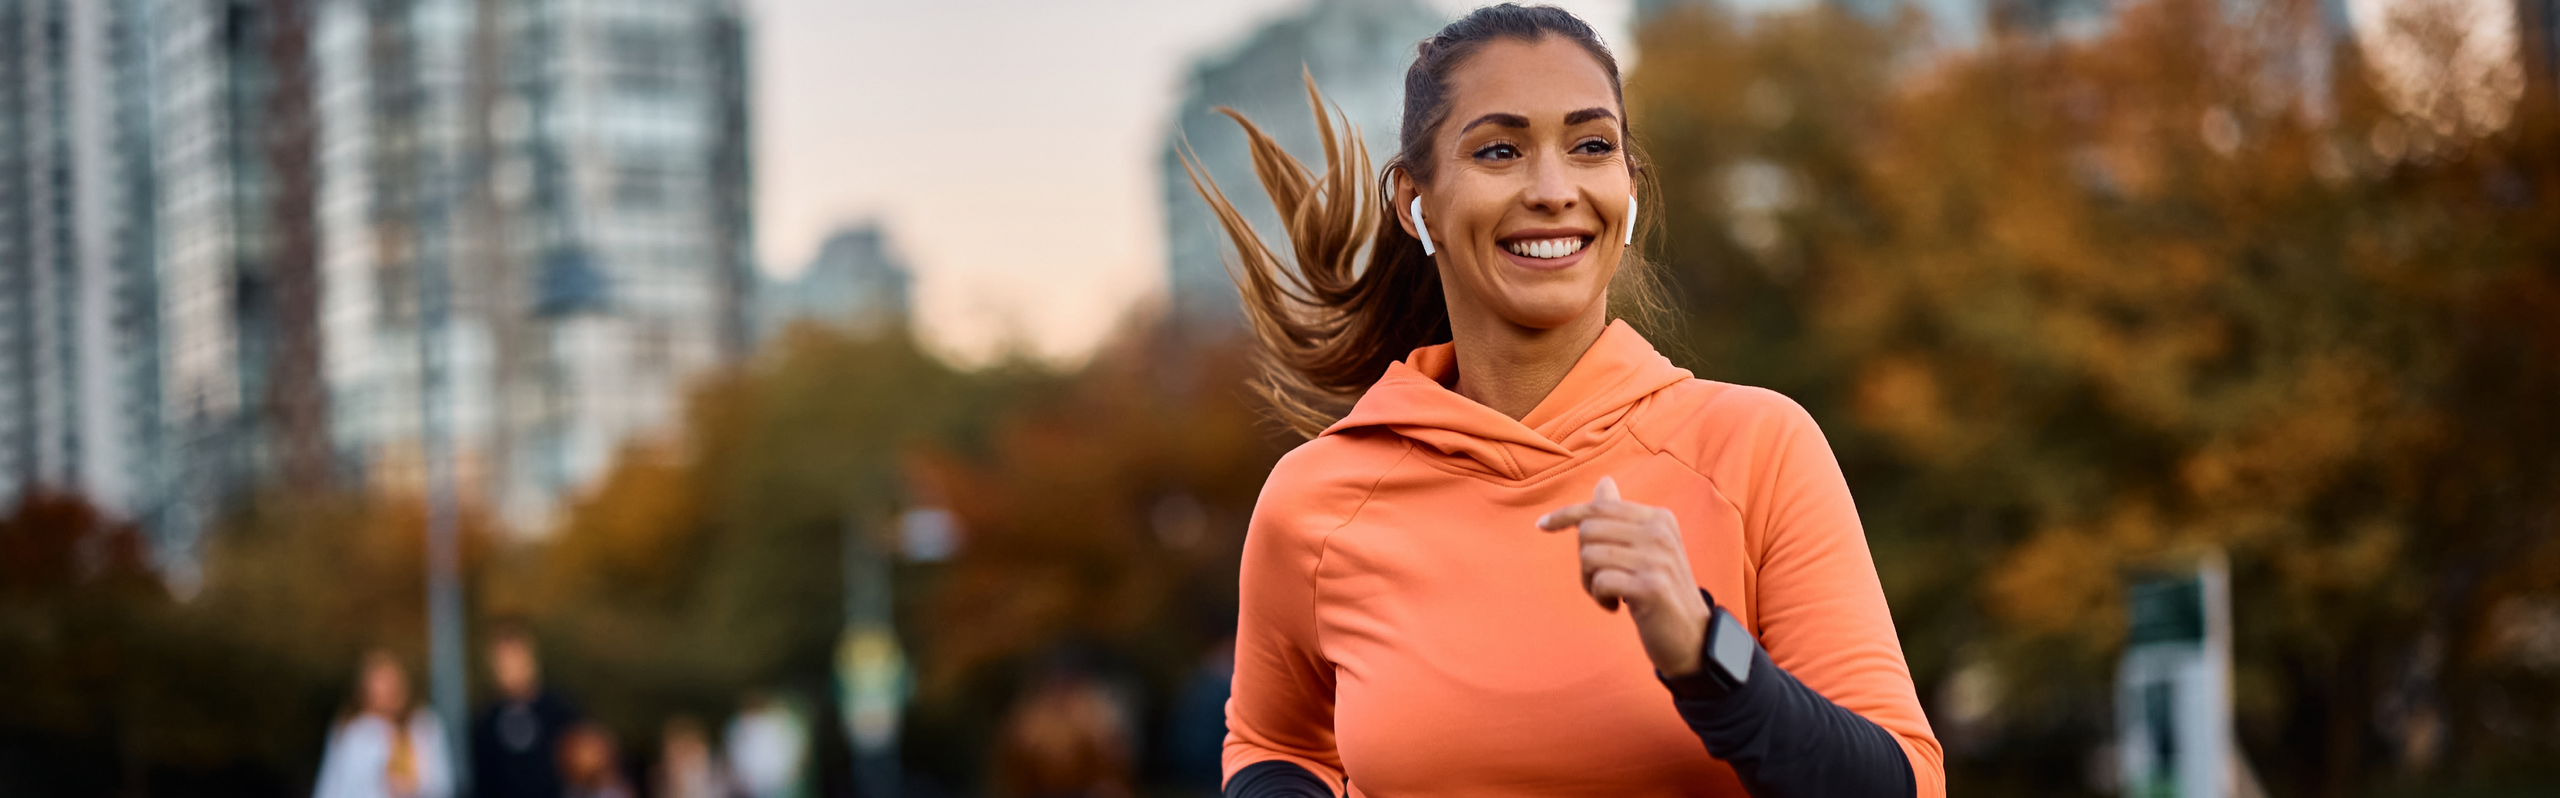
[
  {"x": 356, "y": 698},
  {"x": 1329, "y": 325}
]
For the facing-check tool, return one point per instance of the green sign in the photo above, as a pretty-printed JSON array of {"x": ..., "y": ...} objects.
[{"x": 2166, "y": 611}]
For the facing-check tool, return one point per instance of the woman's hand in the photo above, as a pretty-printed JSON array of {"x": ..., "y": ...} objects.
[{"x": 1631, "y": 553}]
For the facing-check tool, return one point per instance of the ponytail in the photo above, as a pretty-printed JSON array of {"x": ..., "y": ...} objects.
[{"x": 1329, "y": 327}]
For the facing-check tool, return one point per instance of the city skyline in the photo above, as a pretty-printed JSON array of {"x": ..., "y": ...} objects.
[
  {"x": 218, "y": 214},
  {"x": 1060, "y": 130},
  {"x": 297, "y": 245}
]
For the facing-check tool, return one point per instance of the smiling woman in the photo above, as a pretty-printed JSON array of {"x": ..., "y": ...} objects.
[{"x": 1437, "y": 589}]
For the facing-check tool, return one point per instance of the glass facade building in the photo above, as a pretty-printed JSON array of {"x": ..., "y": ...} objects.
[
  {"x": 221, "y": 222},
  {"x": 856, "y": 283},
  {"x": 79, "y": 355},
  {"x": 575, "y": 172}
]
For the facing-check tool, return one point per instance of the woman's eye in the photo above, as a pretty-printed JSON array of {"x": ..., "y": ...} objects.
[
  {"x": 1497, "y": 151},
  {"x": 1595, "y": 147}
]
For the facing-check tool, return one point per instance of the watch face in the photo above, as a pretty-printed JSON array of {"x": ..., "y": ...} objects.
[{"x": 1731, "y": 647}]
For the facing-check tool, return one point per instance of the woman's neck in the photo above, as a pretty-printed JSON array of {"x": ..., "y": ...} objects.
[{"x": 1511, "y": 368}]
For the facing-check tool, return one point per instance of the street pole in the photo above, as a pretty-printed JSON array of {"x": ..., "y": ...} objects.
[
  {"x": 446, "y": 180},
  {"x": 871, "y": 669},
  {"x": 444, "y": 555}
]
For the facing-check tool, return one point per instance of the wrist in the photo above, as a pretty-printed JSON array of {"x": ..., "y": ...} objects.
[
  {"x": 1685, "y": 666},
  {"x": 1696, "y": 617},
  {"x": 1720, "y": 662}
]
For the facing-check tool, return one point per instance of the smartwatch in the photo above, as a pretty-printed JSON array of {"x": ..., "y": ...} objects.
[{"x": 1724, "y": 664}]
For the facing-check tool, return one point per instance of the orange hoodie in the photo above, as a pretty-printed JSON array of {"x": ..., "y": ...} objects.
[{"x": 1406, "y": 624}]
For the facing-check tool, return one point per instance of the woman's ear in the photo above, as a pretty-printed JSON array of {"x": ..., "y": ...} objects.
[{"x": 1400, "y": 198}]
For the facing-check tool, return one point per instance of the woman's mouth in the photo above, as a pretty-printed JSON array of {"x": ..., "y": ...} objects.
[{"x": 1545, "y": 248}]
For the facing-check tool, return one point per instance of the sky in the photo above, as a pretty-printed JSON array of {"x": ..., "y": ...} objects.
[{"x": 1009, "y": 146}]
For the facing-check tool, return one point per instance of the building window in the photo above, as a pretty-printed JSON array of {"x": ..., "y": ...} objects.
[
  {"x": 640, "y": 187},
  {"x": 642, "y": 58}
]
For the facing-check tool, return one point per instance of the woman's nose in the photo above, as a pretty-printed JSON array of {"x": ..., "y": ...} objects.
[{"x": 1551, "y": 189}]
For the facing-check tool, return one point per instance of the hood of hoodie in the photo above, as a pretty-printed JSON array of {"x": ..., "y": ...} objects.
[{"x": 1611, "y": 380}]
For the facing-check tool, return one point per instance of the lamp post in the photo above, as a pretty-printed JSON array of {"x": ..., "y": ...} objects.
[
  {"x": 871, "y": 668},
  {"x": 447, "y": 180}
]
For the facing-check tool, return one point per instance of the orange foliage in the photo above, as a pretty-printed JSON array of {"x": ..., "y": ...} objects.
[{"x": 2074, "y": 306}]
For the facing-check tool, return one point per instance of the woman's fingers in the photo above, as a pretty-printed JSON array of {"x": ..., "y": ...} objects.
[
  {"x": 1604, "y": 502},
  {"x": 1611, "y": 586},
  {"x": 1633, "y": 534},
  {"x": 1626, "y": 548},
  {"x": 1611, "y": 555},
  {"x": 1569, "y": 515},
  {"x": 1638, "y": 568}
]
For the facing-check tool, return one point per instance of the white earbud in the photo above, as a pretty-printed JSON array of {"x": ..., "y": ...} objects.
[
  {"x": 1419, "y": 231},
  {"x": 1631, "y": 222}
]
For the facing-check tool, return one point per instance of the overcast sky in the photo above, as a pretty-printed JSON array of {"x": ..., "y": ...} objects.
[{"x": 1010, "y": 146}]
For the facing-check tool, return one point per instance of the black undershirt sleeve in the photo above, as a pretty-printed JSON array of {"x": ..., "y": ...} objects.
[
  {"x": 1276, "y": 779},
  {"x": 1787, "y": 741}
]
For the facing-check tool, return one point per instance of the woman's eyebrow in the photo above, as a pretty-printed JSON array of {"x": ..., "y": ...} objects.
[
  {"x": 1586, "y": 115},
  {"x": 1518, "y": 121},
  {"x": 1496, "y": 118}
]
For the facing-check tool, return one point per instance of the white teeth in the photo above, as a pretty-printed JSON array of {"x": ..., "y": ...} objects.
[{"x": 1545, "y": 249}]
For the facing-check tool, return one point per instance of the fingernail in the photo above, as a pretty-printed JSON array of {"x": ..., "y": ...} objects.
[{"x": 1542, "y": 520}]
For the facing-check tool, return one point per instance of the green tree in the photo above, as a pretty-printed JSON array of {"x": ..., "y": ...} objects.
[{"x": 710, "y": 562}]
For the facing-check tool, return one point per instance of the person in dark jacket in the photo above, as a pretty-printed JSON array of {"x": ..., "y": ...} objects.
[{"x": 515, "y": 740}]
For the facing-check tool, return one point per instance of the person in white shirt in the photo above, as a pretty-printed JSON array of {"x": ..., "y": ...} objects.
[
  {"x": 387, "y": 748},
  {"x": 768, "y": 745}
]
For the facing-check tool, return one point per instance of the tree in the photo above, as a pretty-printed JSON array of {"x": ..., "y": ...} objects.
[
  {"x": 709, "y": 562},
  {"x": 2070, "y": 307}
]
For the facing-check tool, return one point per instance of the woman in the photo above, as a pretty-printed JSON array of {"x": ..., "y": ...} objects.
[
  {"x": 588, "y": 766},
  {"x": 1524, "y": 554},
  {"x": 686, "y": 766},
  {"x": 387, "y": 749}
]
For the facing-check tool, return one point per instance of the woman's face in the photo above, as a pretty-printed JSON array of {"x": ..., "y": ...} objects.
[
  {"x": 386, "y": 688},
  {"x": 1528, "y": 202}
]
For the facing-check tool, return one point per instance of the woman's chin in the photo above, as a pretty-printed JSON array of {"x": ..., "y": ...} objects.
[{"x": 1550, "y": 312}]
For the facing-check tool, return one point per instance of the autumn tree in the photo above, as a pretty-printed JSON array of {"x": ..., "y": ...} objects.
[
  {"x": 1100, "y": 508},
  {"x": 2075, "y": 306}
]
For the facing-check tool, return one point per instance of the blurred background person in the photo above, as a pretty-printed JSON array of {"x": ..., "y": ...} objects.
[
  {"x": 768, "y": 748},
  {"x": 1195, "y": 733},
  {"x": 385, "y": 748},
  {"x": 588, "y": 766},
  {"x": 687, "y": 767},
  {"x": 1067, "y": 738},
  {"x": 515, "y": 740}
]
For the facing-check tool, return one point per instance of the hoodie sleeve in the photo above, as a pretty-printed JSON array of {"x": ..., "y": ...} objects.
[
  {"x": 1821, "y": 614},
  {"x": 1783, "y": 739},
  {"x": 1281, "y": 709}
]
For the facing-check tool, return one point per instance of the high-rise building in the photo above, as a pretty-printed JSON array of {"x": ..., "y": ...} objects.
[
  {"x": 1357, "y": 52},
  {"x": 856, "y": 282},
  {"x": 79, "y": 356},
  {"x": 221, "y": 222},
  {"x": 569, "y": 178},
  {"x": 233, "y": 181},
  {"x": 38, "y": 267}
]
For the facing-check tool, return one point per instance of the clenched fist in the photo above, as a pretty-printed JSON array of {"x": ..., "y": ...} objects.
[{"x": 1631, "y": 554}]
